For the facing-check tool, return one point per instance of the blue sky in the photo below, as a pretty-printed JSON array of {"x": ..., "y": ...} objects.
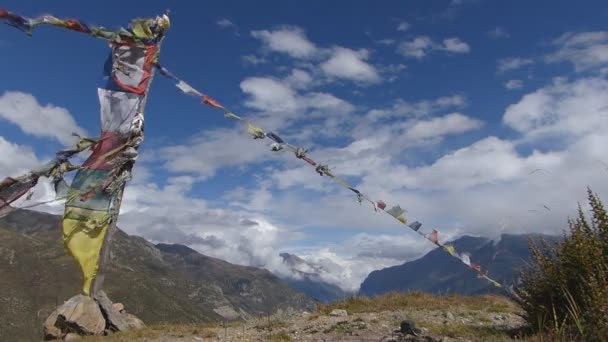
[{"x": 444, "y": 107}]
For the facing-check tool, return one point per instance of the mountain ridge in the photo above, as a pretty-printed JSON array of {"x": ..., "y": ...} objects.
[
  {"x": 158, "y": 283},
  {"x": 438, "y": 273}
]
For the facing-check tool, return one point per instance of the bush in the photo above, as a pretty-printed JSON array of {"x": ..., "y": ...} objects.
[{"x": 564, "y": 291}]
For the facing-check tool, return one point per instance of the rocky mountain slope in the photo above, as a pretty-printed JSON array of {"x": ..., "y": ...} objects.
[
  {"x": 436, "y": 272},
  {"x": 164, "y": 283}
]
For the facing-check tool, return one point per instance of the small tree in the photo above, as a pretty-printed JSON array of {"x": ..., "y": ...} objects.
[{"x": 565, "y": 289}]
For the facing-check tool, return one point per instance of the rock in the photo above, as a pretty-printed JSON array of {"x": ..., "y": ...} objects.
[
  {"x": 133, "y": 322},
  {"x": 338, "y": 313},
  {"x": 409, "y": 328},
  {"x": 51, "y": 332},
  {"x": 118, "y": 307},
  {"x": 72, "y": 337},
  {"x": 82, "y": 315},
  {"x": 448, "y": 315},
  {"x": 115, "y": 321}
]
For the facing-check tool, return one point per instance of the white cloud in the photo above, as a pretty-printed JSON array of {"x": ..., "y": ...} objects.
[
  {"x": 498, "y": 32},
  {"x": 512, "y": 63},
  {"x": 454, "y": 123},
  {"x": 403, "y": 26},
  {"x": 15, "y": 159},
  {"x": 48, "y": 121},
  {"x": 254, "y": 60},
  {"x": 422, "y": 46},
  {"x": 585, "y": 50},
  {"x": 288, "y": 40},
  {"x": 455, "y": 45},
  {"x": 350, "y": 65},
  {"x": 299, "y": 79},
  {"x": 211, "y": 151},
  {"x": 225, "y": 23},
  {"x": 563, "y": 108},
  {"x": 514, "y": 84},
  {"x": 403, "y": 108},
  {"x": 269, "y": 94},
  {"x": 418, "y": 48}
]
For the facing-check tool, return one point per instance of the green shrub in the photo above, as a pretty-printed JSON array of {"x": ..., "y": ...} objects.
[{"x": 564, "y": 291}]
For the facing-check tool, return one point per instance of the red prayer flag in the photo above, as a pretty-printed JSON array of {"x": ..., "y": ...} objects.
[
  {"x": 381, "y": 205},
  {"x": 434, "y": 236},
  {"x": 211, "y": 102}
]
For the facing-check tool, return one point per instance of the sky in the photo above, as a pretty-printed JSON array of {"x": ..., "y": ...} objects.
[{"x": 478, "y": 117}]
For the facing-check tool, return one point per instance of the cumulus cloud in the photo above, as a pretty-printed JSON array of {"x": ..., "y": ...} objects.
[
  {"x": 267, "y": 94},
  {"x": 563, "y": 108},
  {"x": 299, "y": 79},
  {"x": 15, "y": 159},
  {"x": 440, "y": 126},
  {"x": 585, "y": 50},
  {"x": 512, "y": 63},
  {"x": 350, "y": 65},
  {"x": 455, "y": 45},
  {"x": 422, "y": 46},
  {"x": 403, "y": 26},
  {"x": 212, "y": 150},
  {"x": 46, "y": 121},
  {"x": 289, "y": 40},
  {"x": 514, "y": 84}
]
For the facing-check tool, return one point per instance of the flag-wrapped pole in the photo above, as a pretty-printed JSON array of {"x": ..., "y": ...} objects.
[{"x": 104, "y": 256}]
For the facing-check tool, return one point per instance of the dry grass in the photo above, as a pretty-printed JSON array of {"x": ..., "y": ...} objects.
[
  {"x": 423, "y": 301},
  {"x": 156, "y": 331}
]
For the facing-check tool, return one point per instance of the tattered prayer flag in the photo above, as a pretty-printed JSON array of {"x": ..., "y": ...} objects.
[
  {"x": 402, "y": 219},
  {"x": 211, "y": 102},
  {"x": 434, "y": 237},
  {"x": 395, "y": 211},
  {"x": 382, "y": 205},
  {"x": 342, "y": 182},
  {"x": 494, "y": 282},
  {"x": 187, "y": 89},
  {"x": 476, "y": 267},
  {"x": 415, "y": 225},
  {"x": 450, "y": 249},
  {"x": 255, "y": 132},
  {"x": 466, "y": 259},
  {"x": 355, "y": 191},
  {"x": 232, "y": 115},
  {"x": 275, "y": 137}
]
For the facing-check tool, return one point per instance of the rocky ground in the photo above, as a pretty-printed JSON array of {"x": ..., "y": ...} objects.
[{"x": 414, "y": 317}]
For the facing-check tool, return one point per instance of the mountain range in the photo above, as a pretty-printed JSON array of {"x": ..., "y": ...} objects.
[
  {"x": 158, "y": 283},
  {"x": 436, "y": 272}
]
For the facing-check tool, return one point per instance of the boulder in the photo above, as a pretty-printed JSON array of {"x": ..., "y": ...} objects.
[
  {"x": 338, "y": 313},
  {"x": 72, "y": 337},
  {"x": 118, "y": 307},
  {"x": 80, "y": 314},
  {"x": 409, "y": 328},
  {"x": 51, "y": 332},
  {"x": 115, "y": 320}
]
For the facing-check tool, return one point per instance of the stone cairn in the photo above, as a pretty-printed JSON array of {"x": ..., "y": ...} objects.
[{"x": 82, "y": 315}]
